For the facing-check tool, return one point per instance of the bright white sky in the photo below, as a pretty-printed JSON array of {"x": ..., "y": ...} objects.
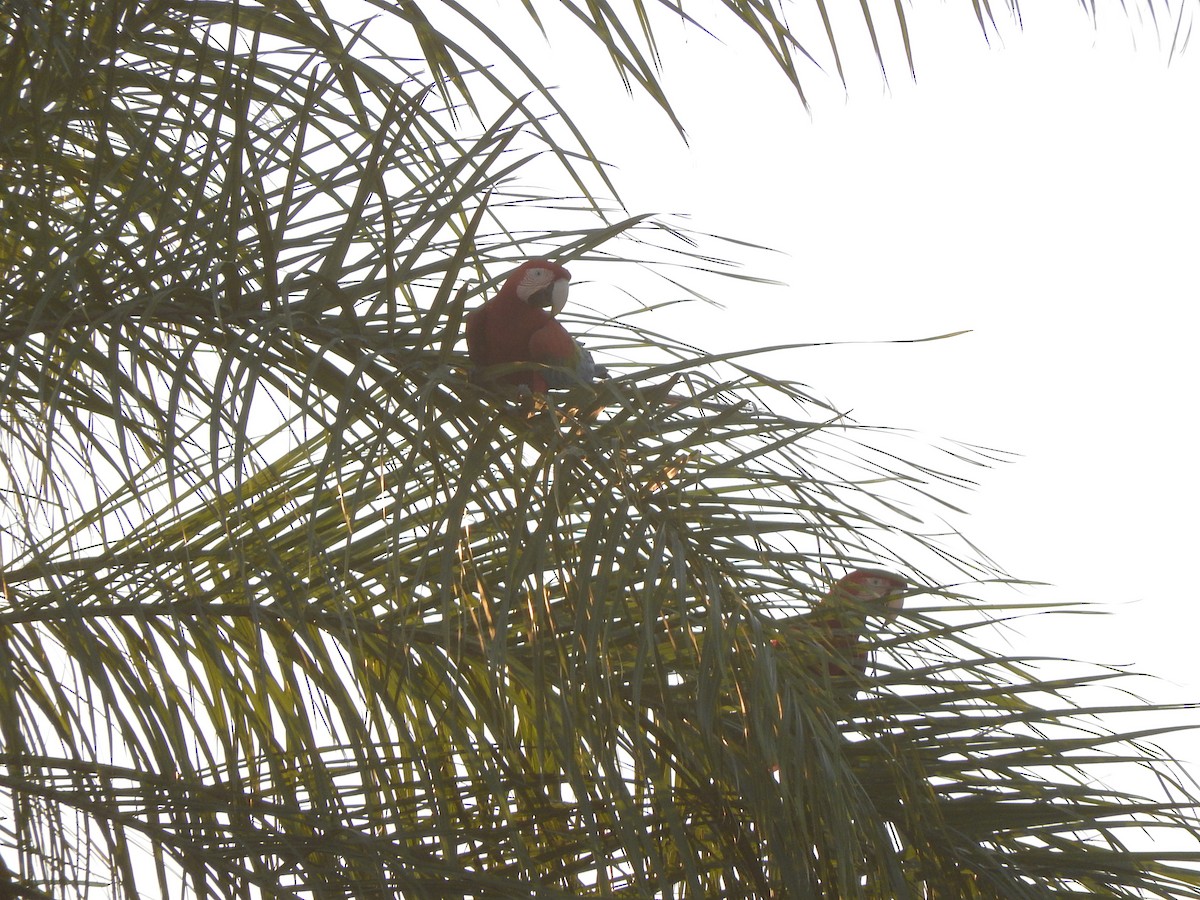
[{"x": 1041, "y": 191}]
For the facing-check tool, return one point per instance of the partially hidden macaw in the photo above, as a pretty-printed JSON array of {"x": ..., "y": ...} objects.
[
  {"x": 518, "y": 325},
  {"x": 831, "y": 636}
]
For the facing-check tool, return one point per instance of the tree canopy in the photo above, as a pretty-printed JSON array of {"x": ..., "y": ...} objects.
[{"x": 293, "y": 607}]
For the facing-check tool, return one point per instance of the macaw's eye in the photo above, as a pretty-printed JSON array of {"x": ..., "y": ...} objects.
[{"x": 537, "y": 273}]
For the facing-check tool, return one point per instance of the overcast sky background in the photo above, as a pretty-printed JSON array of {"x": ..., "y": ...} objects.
[{"x": 1040, "y": 188}]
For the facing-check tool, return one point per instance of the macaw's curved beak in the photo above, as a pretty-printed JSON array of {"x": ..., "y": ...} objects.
[{"x": 553, "y": 296}]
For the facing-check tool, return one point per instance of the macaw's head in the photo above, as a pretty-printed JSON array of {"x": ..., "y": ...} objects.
[
  {"x": 873, "y": 586},
  {"x": 540, "y": 283}
]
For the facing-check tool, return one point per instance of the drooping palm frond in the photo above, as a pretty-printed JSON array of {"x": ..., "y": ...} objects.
[
  {"x": 476, "y": 649},
  {"x": 293, "y": 607}
]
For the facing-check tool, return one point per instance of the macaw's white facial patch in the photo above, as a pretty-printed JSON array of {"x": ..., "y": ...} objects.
[
  {"x": 540, "y": 286},
  {"x": 532, "y": 281}
]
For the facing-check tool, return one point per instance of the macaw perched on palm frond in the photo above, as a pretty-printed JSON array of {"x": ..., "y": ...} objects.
[
  {"x": 830, "y": 638},
  {"x": 518, "y": 325}
]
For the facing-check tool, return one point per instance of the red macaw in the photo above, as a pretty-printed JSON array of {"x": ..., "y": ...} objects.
[
  {"x": 838, "y": 621},
  {"x": 515, "y": 326}
]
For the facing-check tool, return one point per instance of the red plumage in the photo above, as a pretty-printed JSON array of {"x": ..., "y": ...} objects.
[
  {"x": 837, "y": 623},
  {"x": 515, "y": 326}
]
